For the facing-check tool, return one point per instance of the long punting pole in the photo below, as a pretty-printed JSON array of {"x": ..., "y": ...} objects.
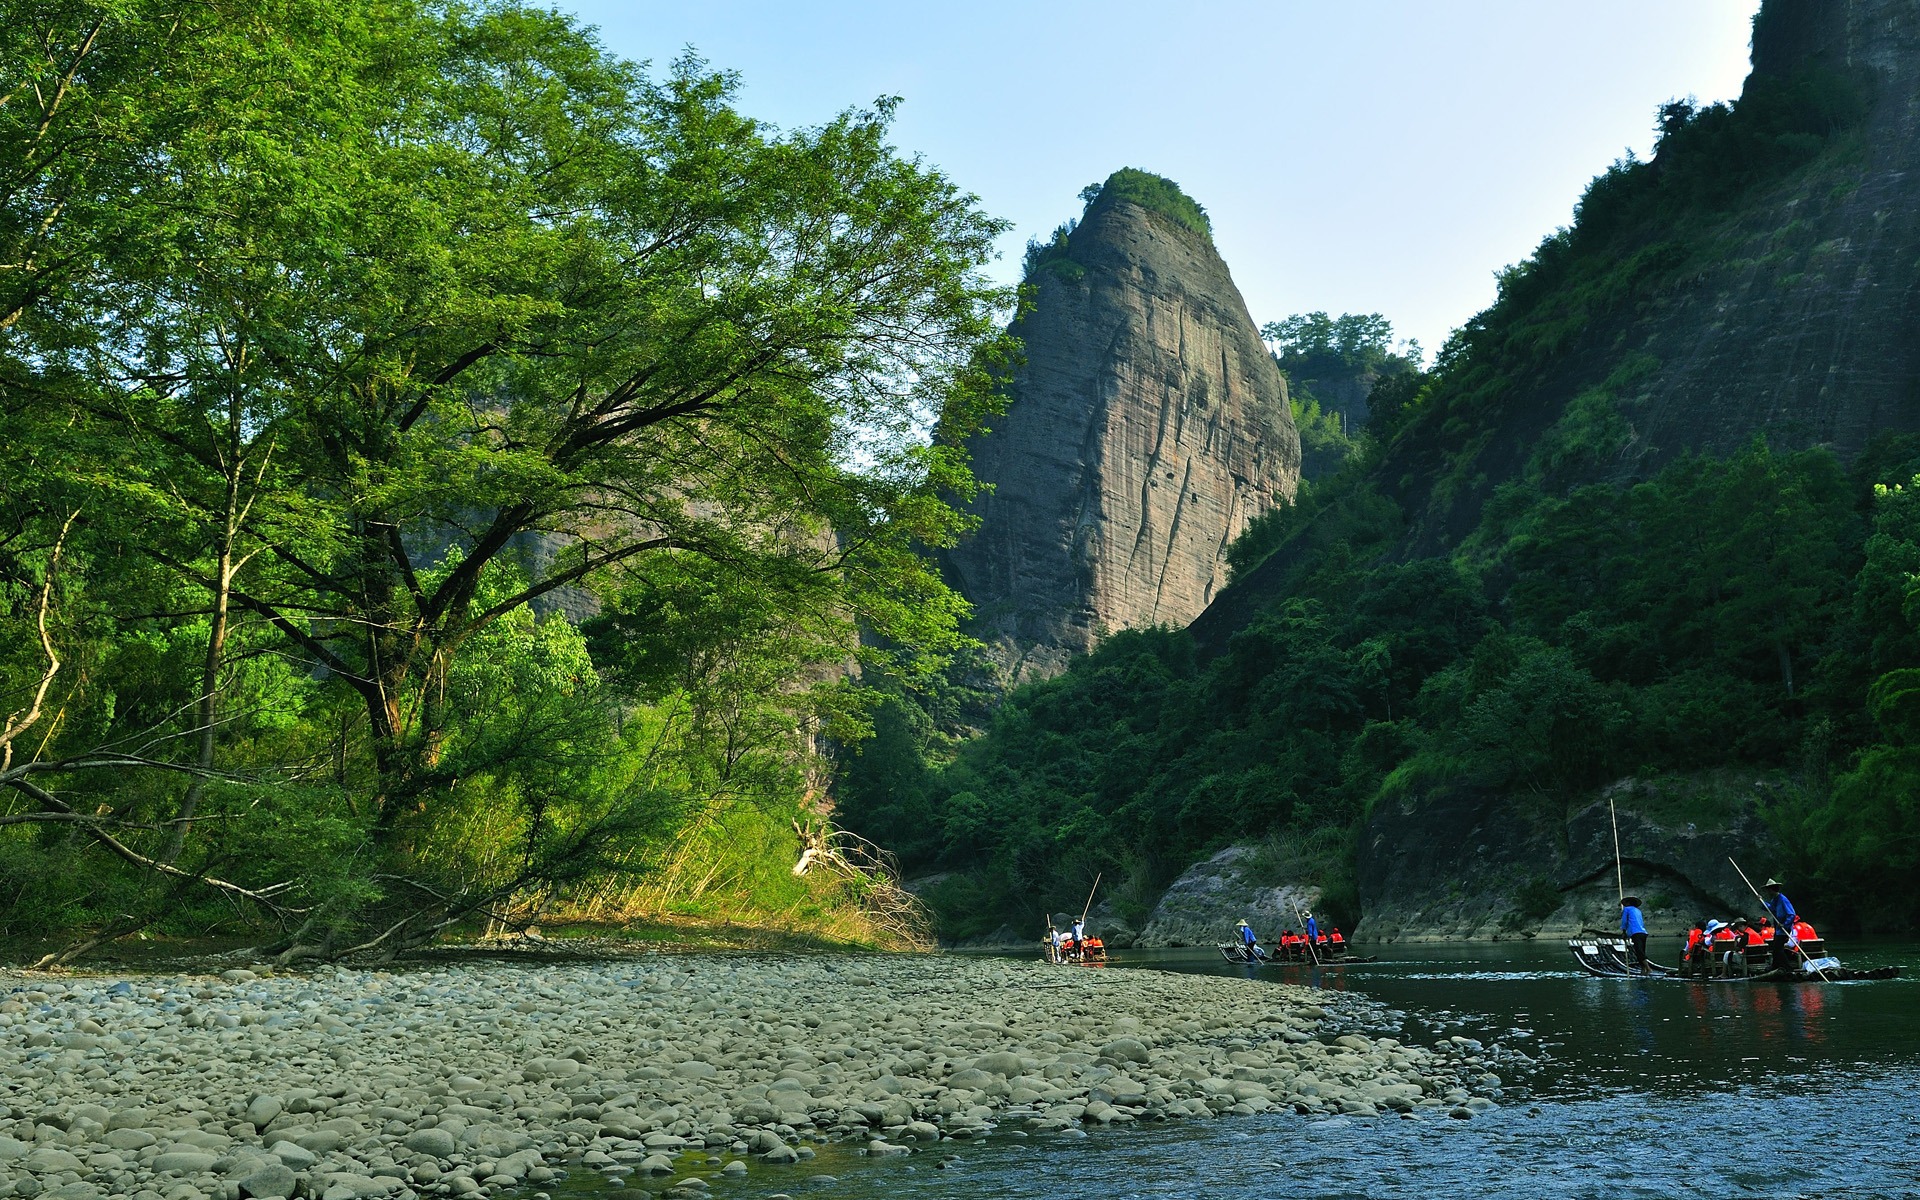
[
  {"x": 1791, "y": 940},
  {"x": 1619, "y": 876},
  {"x": 1089, "y": 905}
]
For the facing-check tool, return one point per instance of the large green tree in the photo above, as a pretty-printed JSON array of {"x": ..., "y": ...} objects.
[{"x": 391, "y": 319}]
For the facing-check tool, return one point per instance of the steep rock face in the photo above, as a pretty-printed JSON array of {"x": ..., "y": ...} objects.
[
  {"x": 1808, "y": 328},
  {"x": 1148, "y": 426},
  {"x": 1476, "y": 865},
  {"x": 1201, "y": 907}
]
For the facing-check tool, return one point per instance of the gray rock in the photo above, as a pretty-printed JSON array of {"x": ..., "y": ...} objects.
[
  {"x": 437, "y": 1142},
  {"x": 295, "y": 1156},
  {"x": 263, "y": 1109},
  {"x": 319, "y": 1141},
  {"x": 1001, "y": 1062},
  {"x": 274, "y": 1181},
  {"x": 1201, "y": 907},
  {"x": 1148, "y": 425},
  {"x": 51, "y": 1160},
  {"x": 186, "y": 1162}
]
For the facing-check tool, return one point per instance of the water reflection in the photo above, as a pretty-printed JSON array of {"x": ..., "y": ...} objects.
[
  {"x": 1665, "y": 1036},
  {"x": 1637, "y": 1082}
]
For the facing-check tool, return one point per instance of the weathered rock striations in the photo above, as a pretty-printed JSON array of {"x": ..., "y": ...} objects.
[
  {"x": 1806, "y": 329},
  {"x": 1148, "y": 426}
]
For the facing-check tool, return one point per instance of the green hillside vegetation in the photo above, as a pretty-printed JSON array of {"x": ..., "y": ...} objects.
[
  {"x": 1155, "y": 193},
  {"x": 342, "y": 342},
  {"x": 1332, "y": 365},
  {"x": 1642, "y": 231},
  {"x": 1750, "y": 616}
]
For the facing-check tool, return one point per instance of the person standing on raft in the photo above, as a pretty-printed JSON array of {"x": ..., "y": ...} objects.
[
  {"x": 1250, "y": 941},
  {"x": 1635, "y": 927},
  {"x": 1785, "y": 919}
]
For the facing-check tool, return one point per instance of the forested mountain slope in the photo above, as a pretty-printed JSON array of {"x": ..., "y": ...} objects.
[{"x": 1650, "y": 524}]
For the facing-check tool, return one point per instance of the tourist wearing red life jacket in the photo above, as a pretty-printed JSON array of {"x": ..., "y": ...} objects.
[
  {"x": 1803, "y": 932},
  {"x": 1719, "y": 943},
  {"x": 1335, "y": 938},
  {"x": 1696, "y": 950}
]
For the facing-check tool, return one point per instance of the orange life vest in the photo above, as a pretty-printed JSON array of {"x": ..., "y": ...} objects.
[
  {"x": 1804, "y": 932},
  {"x": 1337, "y": 939}
]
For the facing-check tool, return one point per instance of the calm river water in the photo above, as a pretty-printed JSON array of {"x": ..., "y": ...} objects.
[{"x": 1645, "y": 1089}]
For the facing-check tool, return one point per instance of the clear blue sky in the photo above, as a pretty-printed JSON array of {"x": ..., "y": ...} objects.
[{"x": 1355, "y": 156}]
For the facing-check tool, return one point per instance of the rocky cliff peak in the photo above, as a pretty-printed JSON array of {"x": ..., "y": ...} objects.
[{"x": 1148, "y": 425}]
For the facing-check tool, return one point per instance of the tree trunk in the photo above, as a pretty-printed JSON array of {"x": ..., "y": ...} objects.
[{"x": 207, "y": 710}]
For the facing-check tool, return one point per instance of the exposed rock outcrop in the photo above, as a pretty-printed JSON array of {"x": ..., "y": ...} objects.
[
  {"x": 1149, "y": 424},
  {"x": 1201, "y": 907},
  {"x": 1474, "y": 865}
]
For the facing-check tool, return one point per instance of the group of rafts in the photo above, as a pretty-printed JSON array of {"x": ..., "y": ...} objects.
[
  {"x": 1074, "y": 946},
  {"x": 1780, "y": 947},
  {"x": 1314, "y": 945}
]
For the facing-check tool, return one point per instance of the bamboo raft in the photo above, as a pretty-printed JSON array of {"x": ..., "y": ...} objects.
[{"x": 1612, "y": 958}]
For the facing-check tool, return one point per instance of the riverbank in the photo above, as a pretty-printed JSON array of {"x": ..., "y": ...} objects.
[{"x": 456, "y": 1080}]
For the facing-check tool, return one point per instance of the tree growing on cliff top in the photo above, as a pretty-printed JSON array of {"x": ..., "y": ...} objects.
[{"x": 1155, "y": 193}]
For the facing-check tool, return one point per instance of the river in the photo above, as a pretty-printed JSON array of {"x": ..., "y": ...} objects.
[{"x": 1643, "y": 1088}]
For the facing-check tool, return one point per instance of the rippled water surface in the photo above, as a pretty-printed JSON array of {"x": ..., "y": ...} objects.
[{"x": 1644, "y": 1088}]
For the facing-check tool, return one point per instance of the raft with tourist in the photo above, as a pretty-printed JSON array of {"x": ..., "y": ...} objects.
[
  {"x": 1074, "y": 946},
  {"x": 1317, "y": 946},
  {"x": 1780, "y": 947}
]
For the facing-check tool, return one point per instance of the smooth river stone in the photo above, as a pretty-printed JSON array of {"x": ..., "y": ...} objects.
[
  {"x": 274, "y": 1181},
  {"x": 437, "y": 1142}
]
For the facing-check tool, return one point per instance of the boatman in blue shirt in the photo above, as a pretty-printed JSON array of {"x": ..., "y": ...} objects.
[
  {"x": 1635, "y": 927},
  {"x": 1313, "y": 931},
  {"x": 1250, "y": 942},
  {"x": 1784, "y": 919}
]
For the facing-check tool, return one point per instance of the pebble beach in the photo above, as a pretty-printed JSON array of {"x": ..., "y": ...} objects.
[{"x": 669, "y": 1072}]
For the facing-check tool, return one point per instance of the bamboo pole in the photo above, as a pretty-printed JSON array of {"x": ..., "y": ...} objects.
[
  {"x": 1089, "y": 905},
  {"x": 1312, "y": 953},
  {"x": 1619, "y": 874},
  {"x": 1791, "y": 940}
]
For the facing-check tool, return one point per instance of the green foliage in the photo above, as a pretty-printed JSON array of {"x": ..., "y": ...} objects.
[
  {"x": 1333, "y": 365},
  {"x": 1709, "y": 619},
  {"x": 335, "y": 338},
  {"x": 1352, "y": 340},
  {"x": 1534, "y": 900},
  {"x": 1726, "y": 616},
  {"x": 1155, "y": 193},
  {"x": 1053, "y": 255},
  {"x": 1641, "y": 231}
]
